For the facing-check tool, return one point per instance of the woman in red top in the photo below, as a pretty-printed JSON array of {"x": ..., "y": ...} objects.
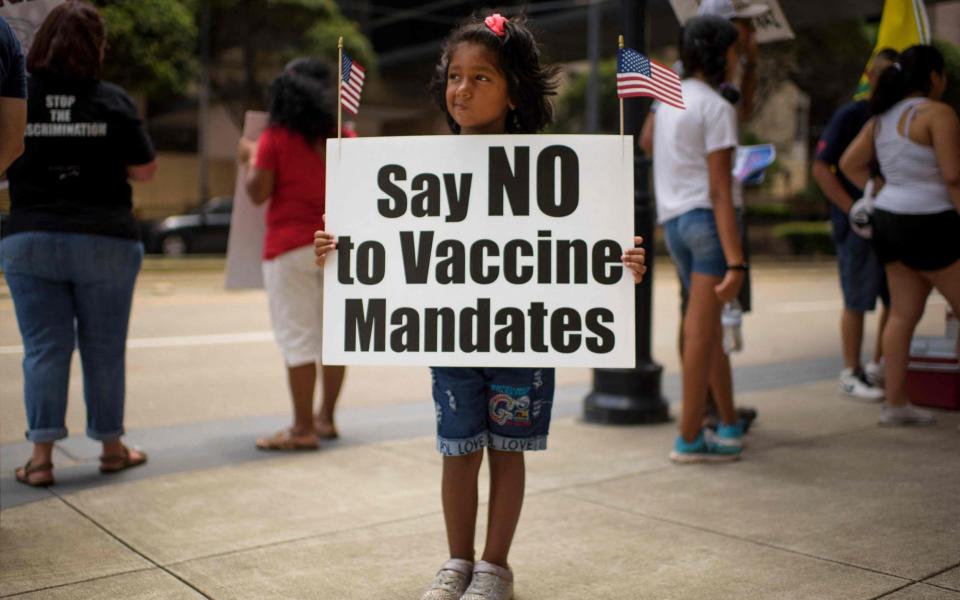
[{"x": 287, "y": 168}]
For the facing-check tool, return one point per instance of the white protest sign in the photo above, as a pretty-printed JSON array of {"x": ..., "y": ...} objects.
[
  {"x": 248, "y": 222},
  {"x": 480, "y": 251},
  {"x": 25, "y": 17},
  {"x": 771, "y": 26}
]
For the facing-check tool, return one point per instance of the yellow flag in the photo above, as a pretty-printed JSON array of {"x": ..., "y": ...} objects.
[{"x": 904, "y": 23}]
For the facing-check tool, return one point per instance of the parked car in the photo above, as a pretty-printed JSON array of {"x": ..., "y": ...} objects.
[{"x": 204, "y": 230}]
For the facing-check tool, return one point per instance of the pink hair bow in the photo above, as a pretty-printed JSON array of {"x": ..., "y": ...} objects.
[{"x": 496, "y": 23}]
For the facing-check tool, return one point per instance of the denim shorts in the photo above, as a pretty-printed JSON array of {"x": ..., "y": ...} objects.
[
  {"x": 503, "y": 409},
  {"x": 862, "y": 278},
  {"x": 694, "y": 244}
]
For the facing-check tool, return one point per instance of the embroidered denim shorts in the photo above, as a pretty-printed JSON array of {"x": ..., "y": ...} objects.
[{"x": 504, "y": 409}]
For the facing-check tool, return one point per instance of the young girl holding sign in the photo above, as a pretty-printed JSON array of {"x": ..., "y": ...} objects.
[{"x": 489, "y": 81}]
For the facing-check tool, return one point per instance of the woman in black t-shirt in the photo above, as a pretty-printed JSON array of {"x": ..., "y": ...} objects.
[{"x": 73, "y": 251}]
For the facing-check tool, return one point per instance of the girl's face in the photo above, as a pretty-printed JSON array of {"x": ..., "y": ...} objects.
[{"x": 477, "y": 97}]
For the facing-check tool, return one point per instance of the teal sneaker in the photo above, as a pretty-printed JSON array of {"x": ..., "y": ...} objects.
[
  {"x": 702, "y": 449},
  {"x": 730, "y": 436}
]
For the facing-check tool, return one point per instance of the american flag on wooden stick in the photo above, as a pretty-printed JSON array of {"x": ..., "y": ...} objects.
[
  {"x": 637, "y": 75},
  {"x": 351, "y": 85}
]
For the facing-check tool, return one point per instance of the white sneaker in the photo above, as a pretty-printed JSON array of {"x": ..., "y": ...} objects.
[
  {"x": 907, "y": 414},
  {"x": 873, "y": 371},
  {"x": 854, "y": 385},
  {"x": 490, "y": 582},
  {"x": 451, "y": 580}
]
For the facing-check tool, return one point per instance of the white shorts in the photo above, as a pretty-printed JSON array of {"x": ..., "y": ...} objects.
[{"x": 295, "y": 292}]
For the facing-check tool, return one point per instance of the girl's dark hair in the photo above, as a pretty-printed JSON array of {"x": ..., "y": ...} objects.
[
  {"x": 529, "y": 84},
  {"x": 704, "y": 44},
  {"x": 303, "y": 99},
  {"x": 908, "y": 75},
  {"x": 69, "y": 43}
]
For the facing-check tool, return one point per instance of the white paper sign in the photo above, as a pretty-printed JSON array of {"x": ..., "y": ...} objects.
[
  {"x": 771, "y": 27},
  {"x": 25, "y": 17},
  {"x": 481, "y": 251},
  {"x": 248, "y": 222}
]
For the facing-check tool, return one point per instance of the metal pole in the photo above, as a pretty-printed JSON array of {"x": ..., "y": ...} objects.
[
  {"x": 203, "y": 101},
  {"x": 593, "y": 54},
  {"x": 632, "y": 396}
]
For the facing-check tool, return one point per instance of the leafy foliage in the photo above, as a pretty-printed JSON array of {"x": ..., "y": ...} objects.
[
  {"x": 251, "y": 40},
  {"x": 571, "y": 105},
  {"x": 151, "y": 45}
]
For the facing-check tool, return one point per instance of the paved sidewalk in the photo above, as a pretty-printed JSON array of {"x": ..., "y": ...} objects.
[{"x": 824, "y": 505}]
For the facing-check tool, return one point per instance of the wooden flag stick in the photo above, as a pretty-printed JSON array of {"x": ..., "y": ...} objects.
[
  {"x": 621, "y": 99},
  {"x": 340, "y": 91}
]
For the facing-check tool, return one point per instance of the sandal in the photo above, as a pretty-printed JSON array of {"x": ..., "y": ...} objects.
[
  {"x": 285, "y": 440},
  {"x": 23, "y": 474},
  {"x": 114, "y": 463},
  {"x": 324, "y": 431}
]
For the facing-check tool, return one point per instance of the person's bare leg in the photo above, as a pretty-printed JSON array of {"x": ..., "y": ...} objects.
[
  {"x": 721, "y": 381},
  {"x": 947, "y": 282},
  {"x": 908, "y": 297},
  {"x": 332, "y": 382},
  {"x": 459, "y": 497},
  {"x": 881, "y": 324},
  {"x": 700, "y": 328},
  {"x": 42, "y": 454},
  {"x": 115, "y": 448},
  {"x": 303, "y": 383},
  {"x": 851, "y": 334},
  {"x": 712, "y": 388},
  {"x": 507, "y": 479}
]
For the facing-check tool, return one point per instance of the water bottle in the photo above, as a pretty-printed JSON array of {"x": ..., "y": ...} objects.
[{"x": 731, "y": 319}]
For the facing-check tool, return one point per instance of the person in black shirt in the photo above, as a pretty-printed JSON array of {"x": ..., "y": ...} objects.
[
  {"x": 73, "y": 251},
  {"x": 13, "y": 91},
  {"x": 861, "y": 274}
]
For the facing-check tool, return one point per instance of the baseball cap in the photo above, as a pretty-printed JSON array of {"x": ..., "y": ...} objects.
[{"x": 733, "y": 9}]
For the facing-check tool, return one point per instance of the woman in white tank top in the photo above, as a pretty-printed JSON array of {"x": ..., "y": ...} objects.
[{"x": 916, "y": 141}]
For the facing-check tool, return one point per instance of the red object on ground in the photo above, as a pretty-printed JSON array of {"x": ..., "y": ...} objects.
[{"x": 933, "y": 373}]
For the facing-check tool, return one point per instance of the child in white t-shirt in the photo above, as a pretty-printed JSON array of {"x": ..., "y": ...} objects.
[{"x": 693, "y": 153}]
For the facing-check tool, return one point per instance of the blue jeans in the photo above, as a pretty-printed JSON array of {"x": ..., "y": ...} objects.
[{"x": 72, "y": 290}]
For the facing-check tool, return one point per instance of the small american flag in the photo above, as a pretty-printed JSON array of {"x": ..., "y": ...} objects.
[
  {"x": 637, "y": 75},
  {"x": 351, "y": 85}
]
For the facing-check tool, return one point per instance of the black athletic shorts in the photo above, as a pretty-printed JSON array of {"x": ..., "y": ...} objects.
[{"x": 922, "y": 242}]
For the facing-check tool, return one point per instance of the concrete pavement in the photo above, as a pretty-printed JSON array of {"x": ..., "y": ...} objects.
[{"x": 824, "y": 505}]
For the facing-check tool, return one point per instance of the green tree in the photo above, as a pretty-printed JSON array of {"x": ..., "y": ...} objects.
[
  {"x": 571, "y": 105},
  {"x": 251, "y": 40},
  {"x": 825, "y": 62},
  {"x": 151, "y": 45}
]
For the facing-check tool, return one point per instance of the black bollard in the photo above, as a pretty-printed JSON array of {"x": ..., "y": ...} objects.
[{"x": 633, "y": 396}]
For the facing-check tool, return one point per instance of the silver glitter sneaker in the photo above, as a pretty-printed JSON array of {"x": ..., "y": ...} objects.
[
  {"x": 490, "y": 582},
  {"x": 451, "y": 580}
]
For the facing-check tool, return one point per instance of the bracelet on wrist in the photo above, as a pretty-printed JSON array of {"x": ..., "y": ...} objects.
[{"x": 738, "y": 267}]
